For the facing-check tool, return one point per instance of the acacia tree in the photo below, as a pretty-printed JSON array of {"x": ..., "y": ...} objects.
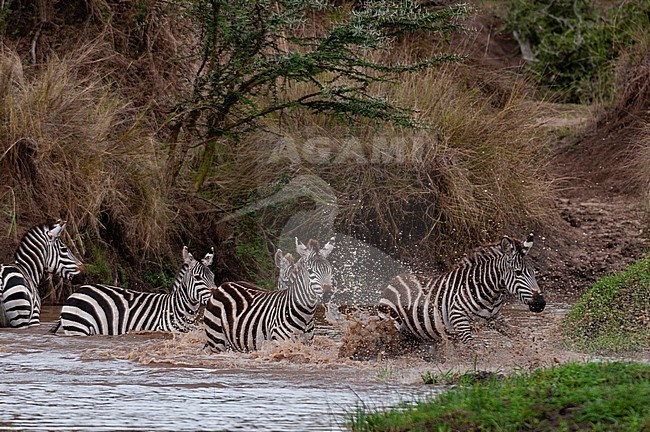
[{"x": 250, "y": 51}]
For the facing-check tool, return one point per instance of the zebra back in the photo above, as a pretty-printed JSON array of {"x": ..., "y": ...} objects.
[
  {"x": 40, "y": 250},
  {"x": 243, "y": 316},
  {"x": 108, "y": 310},
  {"x": 437, "y": 307}
]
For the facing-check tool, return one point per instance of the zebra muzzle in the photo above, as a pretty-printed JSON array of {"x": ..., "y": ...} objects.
[
  {"x": 537, "y": 304},
  {"x": 327, "y": 293},
  {"x": 79, "y": 278}
]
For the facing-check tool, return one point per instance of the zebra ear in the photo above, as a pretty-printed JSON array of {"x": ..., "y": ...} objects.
[
  {"x": 301, "y": 248},
  {"x": 327, "y": 249},
  {"x": 278, "y": 258},
  {"x": 207, "y": 259},
  {"x": 507, "y": 245},
  {"x": 56, "y": 229},
  {"x": 527, "y": 244},
  {"x": 187, "y": 256},
  {"x": 283, "y": 261}
]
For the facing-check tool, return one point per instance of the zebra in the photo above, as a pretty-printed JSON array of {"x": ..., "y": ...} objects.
[
  {"x": 107, "y": 310},
  {"x": 40, "y": 251},
  {"x": 242, "y": 316},
  {"x": 443, "y": 306}
]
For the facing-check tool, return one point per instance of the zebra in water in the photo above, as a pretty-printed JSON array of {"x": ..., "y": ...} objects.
[
  {"x": 108, "y": 310},
  {"x": 242, "y": 316},
  {"x": 477, "y": 287},
  {"x": 40, "y": 251}
]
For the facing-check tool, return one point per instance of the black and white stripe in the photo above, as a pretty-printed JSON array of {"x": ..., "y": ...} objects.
[
  {"x": 109, "y": 310},
  {"x": 40, "y": 251},
  {"x": 444, "y": 306},
  {"x": 241, "y": 316}
]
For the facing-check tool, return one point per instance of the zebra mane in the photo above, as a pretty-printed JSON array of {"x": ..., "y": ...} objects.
[
  {"x": 178, "y": 280},
  {"x": 313, "y": 244},
  {"x": 41, "y": 228},
  {"x": 21, "y": 243},
  {"x": 477, "y": 254}
]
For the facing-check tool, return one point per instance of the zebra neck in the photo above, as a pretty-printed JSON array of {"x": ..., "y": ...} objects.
[
  {"x": 481, "y": 273},
  {"x": 32, "y": 271},
  {"x": 299, "y": 289},
  {"x": 182, "y": 302}
]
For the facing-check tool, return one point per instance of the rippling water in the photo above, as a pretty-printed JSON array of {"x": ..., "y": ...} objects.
[
  {"x": 163, "y": 382},
  {"x": 53, "y": 382}
]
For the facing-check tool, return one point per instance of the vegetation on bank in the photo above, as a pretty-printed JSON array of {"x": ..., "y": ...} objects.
[
  {"x": 589, "y": 397},
  {"x": 614, "y": 314},
  {"x": 149, "y": 125},
  {"x": 119, "y": 121}
]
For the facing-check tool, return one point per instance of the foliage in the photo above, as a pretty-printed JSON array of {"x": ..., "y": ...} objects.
[
  {"x": 161, "y": 280},
  {"x": 9, "y": 213},
  {"x": 5, "y": 11},
  {"x": 430, "y": 195},
  {"x": 251, "y": 250},
  {"x": 98, "y": 266},
  {"x": 251, "y": 52},
  {"x": 591, "y": 396},
  {"x": 116, "y": 132},
  {"x": 642, "y": 164},
  {"x": 574, "y": 43},
  {"x": 614, "y": 315}
]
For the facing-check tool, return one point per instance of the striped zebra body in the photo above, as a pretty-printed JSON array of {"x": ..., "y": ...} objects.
[
  {"x": 108, "y": 310},
  {"x": 40, "y": 251},
  {"x": 242, "y": 316},
  {"x": 443, "y": 306}
]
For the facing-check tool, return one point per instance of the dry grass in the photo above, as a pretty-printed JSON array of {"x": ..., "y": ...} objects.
[
  {"x": 425, "y": 195},
  {"x": 72, "y": 149},
  {"x": 641, "y": 166},
  {"x": 629, "y": 111}
]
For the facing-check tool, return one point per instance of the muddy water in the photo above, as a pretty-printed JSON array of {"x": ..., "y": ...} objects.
[
  {"x": 158, "y": 382},
  {"x": 163, "y": 382}
]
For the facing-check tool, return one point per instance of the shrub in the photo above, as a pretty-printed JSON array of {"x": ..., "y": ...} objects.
[
  {"x": 421, "y": 195},
  {"x": 614, "y": 315},
  {"x": 573, "y": 43}
]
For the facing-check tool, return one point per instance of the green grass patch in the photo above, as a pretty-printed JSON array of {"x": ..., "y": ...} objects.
[
  {"x": 592, "y": 396},
  {"x": 460, "y": 378},
  {"x": 614, "y": 315}
]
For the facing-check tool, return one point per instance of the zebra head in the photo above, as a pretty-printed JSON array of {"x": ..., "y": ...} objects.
[
  {"x": 319, "y": 268},
  {"x": 57, "y": 258},
  {"x": 518, "y": 275},
  {"x": 198, "y": 280},
  {"x": 285, "y": 264}
]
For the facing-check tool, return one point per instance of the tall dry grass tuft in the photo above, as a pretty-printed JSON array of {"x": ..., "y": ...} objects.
[
  {"x": 71, "y": 148},
  {"x": 628, "y": 112},
  {"x": 480, "y": 173},
  {"x": 422, "y": 195},
  {"x": 641, "y": 167}
]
